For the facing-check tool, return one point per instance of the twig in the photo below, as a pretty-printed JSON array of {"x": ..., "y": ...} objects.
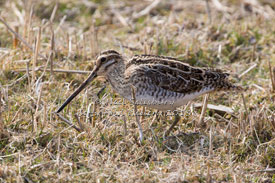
[
  {"x": 257, "y": 86},
  {"x": 58, "y": 152},
  {"x": 211, "y": 141},
  {"x": 17, "y": 80},
  {"x": 272, "y": 76},
  {"x": 37, "y": 47},
  {"x": 93, "y": 40},
  {"x": 70, "y": 49},
  {"x": 52, "y": 49},
  {"x": 147, "y": 10},
  {"x": 37, "y": 108},
  {"x": 15, "y": 40},
  {"x": 94, "y": 114},
  {"x": 122, "y": 20},
  {"x": 45, "y": 121},
  {"x": 220, "y": 7},
  {"x": 244, "y": 103},
  {"x": 19, "y": 37},
  {"x": 77, "y": 47},
  {"x": 128, "y": 47},
  {"x": 246, "y": 111},
  {"x": 124, "y": 125},
  {"x": 1, "y": 123},
  {"x": 28, "y": 75},
  {"x": 21, "y": 61},
  {"x": 2, "y": 56},
  {"x": 29, "y": 25},
  {"x": 268, "y": 170},
  {"x": 44, "y": 71},
  {"x": 88, "y": 113},
  {"x": 26, "y": 19},
  {"x": 84, "y": 47},
  {"x": 16, "y": 114},
  {"x": 247, "y": 70},
  {"x": 54, "y": 12},
  {"x": 55, "y": 70},
  {"x": 60, "y": 24},
  {"x": 228, "y": 121},
  {"x": 204, "y": 107},
  {"x": 208, "y": 11},
  {"x": 220, "y": 108},
  {"x": 209, "y": 177},
  {"x": 79, "y": 123},
  {"x": 68, "y": 122}
]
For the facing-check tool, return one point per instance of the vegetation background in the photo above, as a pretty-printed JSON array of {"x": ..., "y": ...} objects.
[{"x": 47, "y": 48}]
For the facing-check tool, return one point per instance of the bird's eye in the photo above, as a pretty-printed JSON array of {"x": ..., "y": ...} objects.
[{"x": 103, "y": 59}]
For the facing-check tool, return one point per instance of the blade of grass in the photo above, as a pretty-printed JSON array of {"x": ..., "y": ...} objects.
[{"x": 20, "y": 38}]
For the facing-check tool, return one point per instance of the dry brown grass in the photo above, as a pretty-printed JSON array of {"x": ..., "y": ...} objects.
[{"x": 37, "y": 146}]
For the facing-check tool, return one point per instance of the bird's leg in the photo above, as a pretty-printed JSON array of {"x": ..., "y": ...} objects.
[
  {"x": 143, "y": 114},
  {"x": 157, "y": 116},
  {"x": 137, "y": 119},
  {"x": 176, "y": 120},
  {"x": 95, "y": 104},
  {"x": 99, "y": 93}
]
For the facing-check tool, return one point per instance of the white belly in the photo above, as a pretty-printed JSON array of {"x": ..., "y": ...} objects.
[{"x": 167, "y": 103}]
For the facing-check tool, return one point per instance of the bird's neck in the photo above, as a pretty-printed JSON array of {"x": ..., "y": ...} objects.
[
  {"x": 116, "y": 77},
  {"x": 116, "y": 72}
]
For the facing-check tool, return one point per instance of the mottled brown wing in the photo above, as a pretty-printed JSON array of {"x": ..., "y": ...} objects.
[
  {"x": 175, "y": 80},
  {"x": 174, "y": 75}
]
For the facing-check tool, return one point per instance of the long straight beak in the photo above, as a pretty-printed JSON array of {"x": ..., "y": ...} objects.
[{"x": 79, "y": 89}]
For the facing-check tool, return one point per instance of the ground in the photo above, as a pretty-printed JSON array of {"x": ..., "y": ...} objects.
[{"x": 100, "y": 141}]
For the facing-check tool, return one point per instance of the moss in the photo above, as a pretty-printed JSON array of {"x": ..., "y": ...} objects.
[
  {"x": 244, "y": 150},
  {"x": 267, "y": 157},
  {"x": 43, "y": 139}
]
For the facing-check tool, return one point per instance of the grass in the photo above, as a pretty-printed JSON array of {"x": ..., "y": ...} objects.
[{"x": 37, "y": 146}]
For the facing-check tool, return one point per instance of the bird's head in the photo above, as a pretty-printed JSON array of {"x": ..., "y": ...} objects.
[{"x": 103, "y": 63}]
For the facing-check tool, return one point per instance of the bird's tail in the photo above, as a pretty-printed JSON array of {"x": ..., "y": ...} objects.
[
  {"x": 226, "y": 85},
  {"x": 219, "y": 81}
]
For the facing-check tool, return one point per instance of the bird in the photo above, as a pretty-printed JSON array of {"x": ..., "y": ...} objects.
[{"x": 158, "y": 82}]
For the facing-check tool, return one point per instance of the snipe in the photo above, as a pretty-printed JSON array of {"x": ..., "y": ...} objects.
[{"x": 159, "y": 82}]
